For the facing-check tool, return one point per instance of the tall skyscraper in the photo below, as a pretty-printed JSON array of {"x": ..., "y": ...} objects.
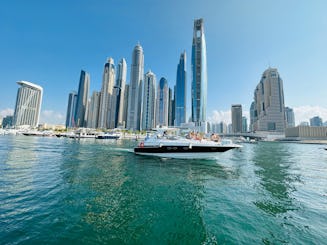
[
  {"x": 236, "y": 118},
  {"x": 28, "y": 104},
  {"x": 93, "y": 110},
  {"x": 125, "y": 109},
  {"x": 162, "y": 103},
  {"x": 253, "y": 116},
  {"x": 269, "y": 103},
  {"x": 180, "y": 91},
  {"x": 135, "y": 89},
  {"x": 149, "y": 101},
  {"x": 290, "y": 119},
  {"x": 108, "y": 80},
  {"x": 171, "y": 107},
  {"x": 244, "y": 124},
  {"x": 116, "y": 118},
  {"x": 71, "y": 108},
  {"x": 199, "y": 74},
  {"x": 82, "y": 98}
]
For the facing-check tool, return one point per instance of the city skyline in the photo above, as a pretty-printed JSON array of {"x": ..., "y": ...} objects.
[{"x": 242, "y": 41}]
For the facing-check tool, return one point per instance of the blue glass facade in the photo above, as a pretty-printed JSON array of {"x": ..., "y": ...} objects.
[
  {"x": 82, "y": 97},
  {"x": 199, "y": 74},
  {"x": 71, "y": 108},
  {"x": 180, "y": 91}
]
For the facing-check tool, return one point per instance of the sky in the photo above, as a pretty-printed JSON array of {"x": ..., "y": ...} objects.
[{"x": 49, "y": 42}]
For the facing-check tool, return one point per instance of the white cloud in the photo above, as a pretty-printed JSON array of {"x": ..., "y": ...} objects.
[
  {"x": 224, "y": 116},
  {"x": 304, "y": 113},
  {"x": 52, "y": 117},
  {"x": 6, "y": 112}
]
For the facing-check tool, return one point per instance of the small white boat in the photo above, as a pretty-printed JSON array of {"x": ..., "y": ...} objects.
[
  {"x": 161, "y": 145},
  {"x": 115, "y": 136}
]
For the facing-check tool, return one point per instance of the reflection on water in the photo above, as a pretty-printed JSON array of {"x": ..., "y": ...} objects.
[{"x": 274, "y": 171}]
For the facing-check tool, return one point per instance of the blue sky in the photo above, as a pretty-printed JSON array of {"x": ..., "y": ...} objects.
[{"x": 49, "y": 42}]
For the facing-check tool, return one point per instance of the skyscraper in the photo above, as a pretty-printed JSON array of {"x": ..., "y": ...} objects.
[
  {"x": 236, "y": 118},
  {"x": 244, "y": 124},
  {"x": 269, "y": 103},
  {"x": 135, "y": 89},
  {"x": 180, "y": 92},
  {"x": 108, "y": 80},
  {"x": 316, "y": 121},
  {"x": 171, "y": 107},
  {"x": 290, "y": 119},
  {"x": 28, "y": 104},
  {"x": 117, "y": 105},
  {"x": 149, "y": 101},
  {"x": 71, "y": 108},
  {"x": 82, "y": 98},
  {"x": 199, "y": 74},
  {"x": 125, "y": 109},
  {"x": 93, "y": 110},
  {"x": 162, "y": 103}
]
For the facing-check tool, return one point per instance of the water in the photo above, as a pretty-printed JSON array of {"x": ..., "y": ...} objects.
[{"x": 63, "y": 191}]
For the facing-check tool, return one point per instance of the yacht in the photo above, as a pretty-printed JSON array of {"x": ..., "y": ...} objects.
[
  {"x": 163, "y": 145},
  {"x": 115, "y": 136}
]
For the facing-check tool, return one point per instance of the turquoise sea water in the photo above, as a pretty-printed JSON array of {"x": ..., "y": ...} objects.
[{"x": 63, "y": 191}]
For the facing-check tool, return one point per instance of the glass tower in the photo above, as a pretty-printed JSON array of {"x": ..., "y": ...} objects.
[
  {"x": 149, "y": 101},
  {"x": 180, "y": 91},
  {"x": 199, "y": 74},
  {"x": 162, "y": 103},
  {"x": 82, "y": 99},
  {"x": 71, "y": 108},
  {"x": 135, "y": 89}
]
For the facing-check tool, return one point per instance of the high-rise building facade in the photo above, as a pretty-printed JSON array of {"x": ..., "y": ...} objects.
[
  {"x": 93, "y": 110},
  {"x": 199, "y": 74},
  {"x": 71, "y": 108},
  {"x": 269, "y": 103},
  {"x": 316, "y": 121},
  {"x": 171, "y": 107},
  {"x": 290, "y": 119},
  {"x": 253, "y": 116},
  {"x": 108, "y": 80},
  {"x": 82, "y": 99},
  {"x": 180, "y": 91},
  {"x": 135, "y": 89},
  {"x": 162, "y": 103},
  {"x": 236, "y": 118},
  {"x": 149, "y": 101},
  {"x": 28, "y": 104},
  {"x": 244, "y": 124},
  {"x": 117, "y": 103},
  {"x": 125, "y": 109}
]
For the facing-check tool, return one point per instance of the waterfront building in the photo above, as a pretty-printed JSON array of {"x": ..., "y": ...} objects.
[
  {"x": 180, "y": 91},
  {"x": 117, "y": 104},
  {"x": 236, "y": 118},
  {"x": 316, "y": 121},
  {"x": 93, "y": 110},
  {"x": 108, "y": 80},
  {"x": 82, "y": 98},
  {"x": 229, "y": 128},
  {"x": 311, "y": 132},
  {"x": 199, "y": 74},
  {"x": 290, "y": 119},
  {"x": 269, "y": 103},
  {"x": 71, "y": 108},
  {"x": 7, "y": 121},
  {"x": 135, "y": 89},
  {"x": 171, "y": 107},
  {"x": 244, "y": 124},
  {"x": 162, "y": 103},
  {"x": 125, "y": 108},
  {"x": 149, "y": 101},
  {"x": 253, "y": 116},
  {"x": 304, "y": 123},
  {"x": 28, "y": 104}
]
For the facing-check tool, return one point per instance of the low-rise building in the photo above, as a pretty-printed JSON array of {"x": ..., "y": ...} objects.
[{"x": 306, "y": 132}]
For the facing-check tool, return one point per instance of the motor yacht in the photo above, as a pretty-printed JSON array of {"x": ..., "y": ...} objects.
[{"x": 173, "y": 146}]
